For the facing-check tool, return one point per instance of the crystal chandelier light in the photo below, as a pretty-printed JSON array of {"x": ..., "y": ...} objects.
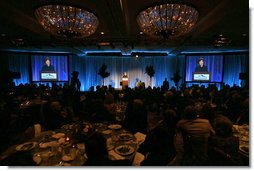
[
  {"x": 221, "y": 41},
  {"x": 67, "y": 21},
  {"x": 167, "y": 20}
]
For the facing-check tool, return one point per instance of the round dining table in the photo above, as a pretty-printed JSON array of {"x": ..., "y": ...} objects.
[{"x": 66, "y": 146}]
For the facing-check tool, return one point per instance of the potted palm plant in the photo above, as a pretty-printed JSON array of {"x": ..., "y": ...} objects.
[
  {"x": 176, "y": 78},
  {"x": 150, "y": 71},
  {"x": 103, "y": 73}
]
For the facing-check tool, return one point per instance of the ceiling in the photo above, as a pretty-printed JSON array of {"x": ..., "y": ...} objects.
[{"x": 19, "y": 29}]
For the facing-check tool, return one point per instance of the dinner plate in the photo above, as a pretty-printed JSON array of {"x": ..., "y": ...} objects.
[
  {"x": 44, "y": 154},
  {"x": 244, "y": 149},
  {"x": 26, "y": 146},
  {"x": 115, "y": 126},
  {"x": 63, "y": 164},
  {"x": 49, "y": 144},
  {"x": 125, "y": 137},
  {"x": 67, "y": 158},
  {"x": 98, "y": 124},
  {"x": 124, "y": 150},
  {"x": 58, "y": 135},
  {"x": 106, "y": 132},
  {"x": 244, "y": 138}
]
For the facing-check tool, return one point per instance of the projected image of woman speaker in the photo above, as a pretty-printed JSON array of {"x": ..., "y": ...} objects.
[
  {"x": 47, "y": 66},
  {"x": 201, "y": 66}
]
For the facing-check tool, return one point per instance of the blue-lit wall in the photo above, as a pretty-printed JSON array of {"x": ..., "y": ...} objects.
[
  {"x": 164, "y": 67},
  {"x": 19, "y": 63},
  {"x": 233, "y": 65}
]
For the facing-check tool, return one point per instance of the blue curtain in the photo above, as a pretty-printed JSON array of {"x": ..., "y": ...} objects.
[
  {"x": 235, "y": 64},
  {"x": 60, "y": 64},
  {"x": 134, "y": 67},
  {"x": 19, "y": 63},
  {"x": 214, "y": 65}
]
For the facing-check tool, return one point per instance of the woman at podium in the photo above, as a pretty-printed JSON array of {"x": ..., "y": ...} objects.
[
  {"x": 201, "y": 67},
  {"x": 125, "y": 75},
  {"x": 125, "y": 80},
  {"x": 47, "y": 66}
]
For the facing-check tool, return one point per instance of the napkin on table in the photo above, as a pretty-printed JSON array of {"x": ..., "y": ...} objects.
[
  {"x": 138, "y": 159},
  {"x": 140, "y": 138}
]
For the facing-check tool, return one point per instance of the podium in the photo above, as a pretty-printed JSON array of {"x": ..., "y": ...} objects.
[
  {"x": 124, "y": 82},
  {"x": 48, "y": 76},
  {"x": 201, "y": 76}
]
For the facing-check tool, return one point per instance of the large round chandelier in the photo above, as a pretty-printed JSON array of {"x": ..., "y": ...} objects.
[
  {"x": 67, "y": 21},
  {"x": 167, "y": 20}
]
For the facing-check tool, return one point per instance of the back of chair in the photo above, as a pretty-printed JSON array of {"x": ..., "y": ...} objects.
[
  {"x": 219, "y": 157},
  {"x": 195, "y": 149}
]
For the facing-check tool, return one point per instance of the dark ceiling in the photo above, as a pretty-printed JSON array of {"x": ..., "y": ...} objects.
[{"x": 19, "y": 28}]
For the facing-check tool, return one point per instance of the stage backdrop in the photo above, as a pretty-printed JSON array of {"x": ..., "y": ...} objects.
[
  {"x": 88, "y": 68},
  {"x": 135, "y": 68}
]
